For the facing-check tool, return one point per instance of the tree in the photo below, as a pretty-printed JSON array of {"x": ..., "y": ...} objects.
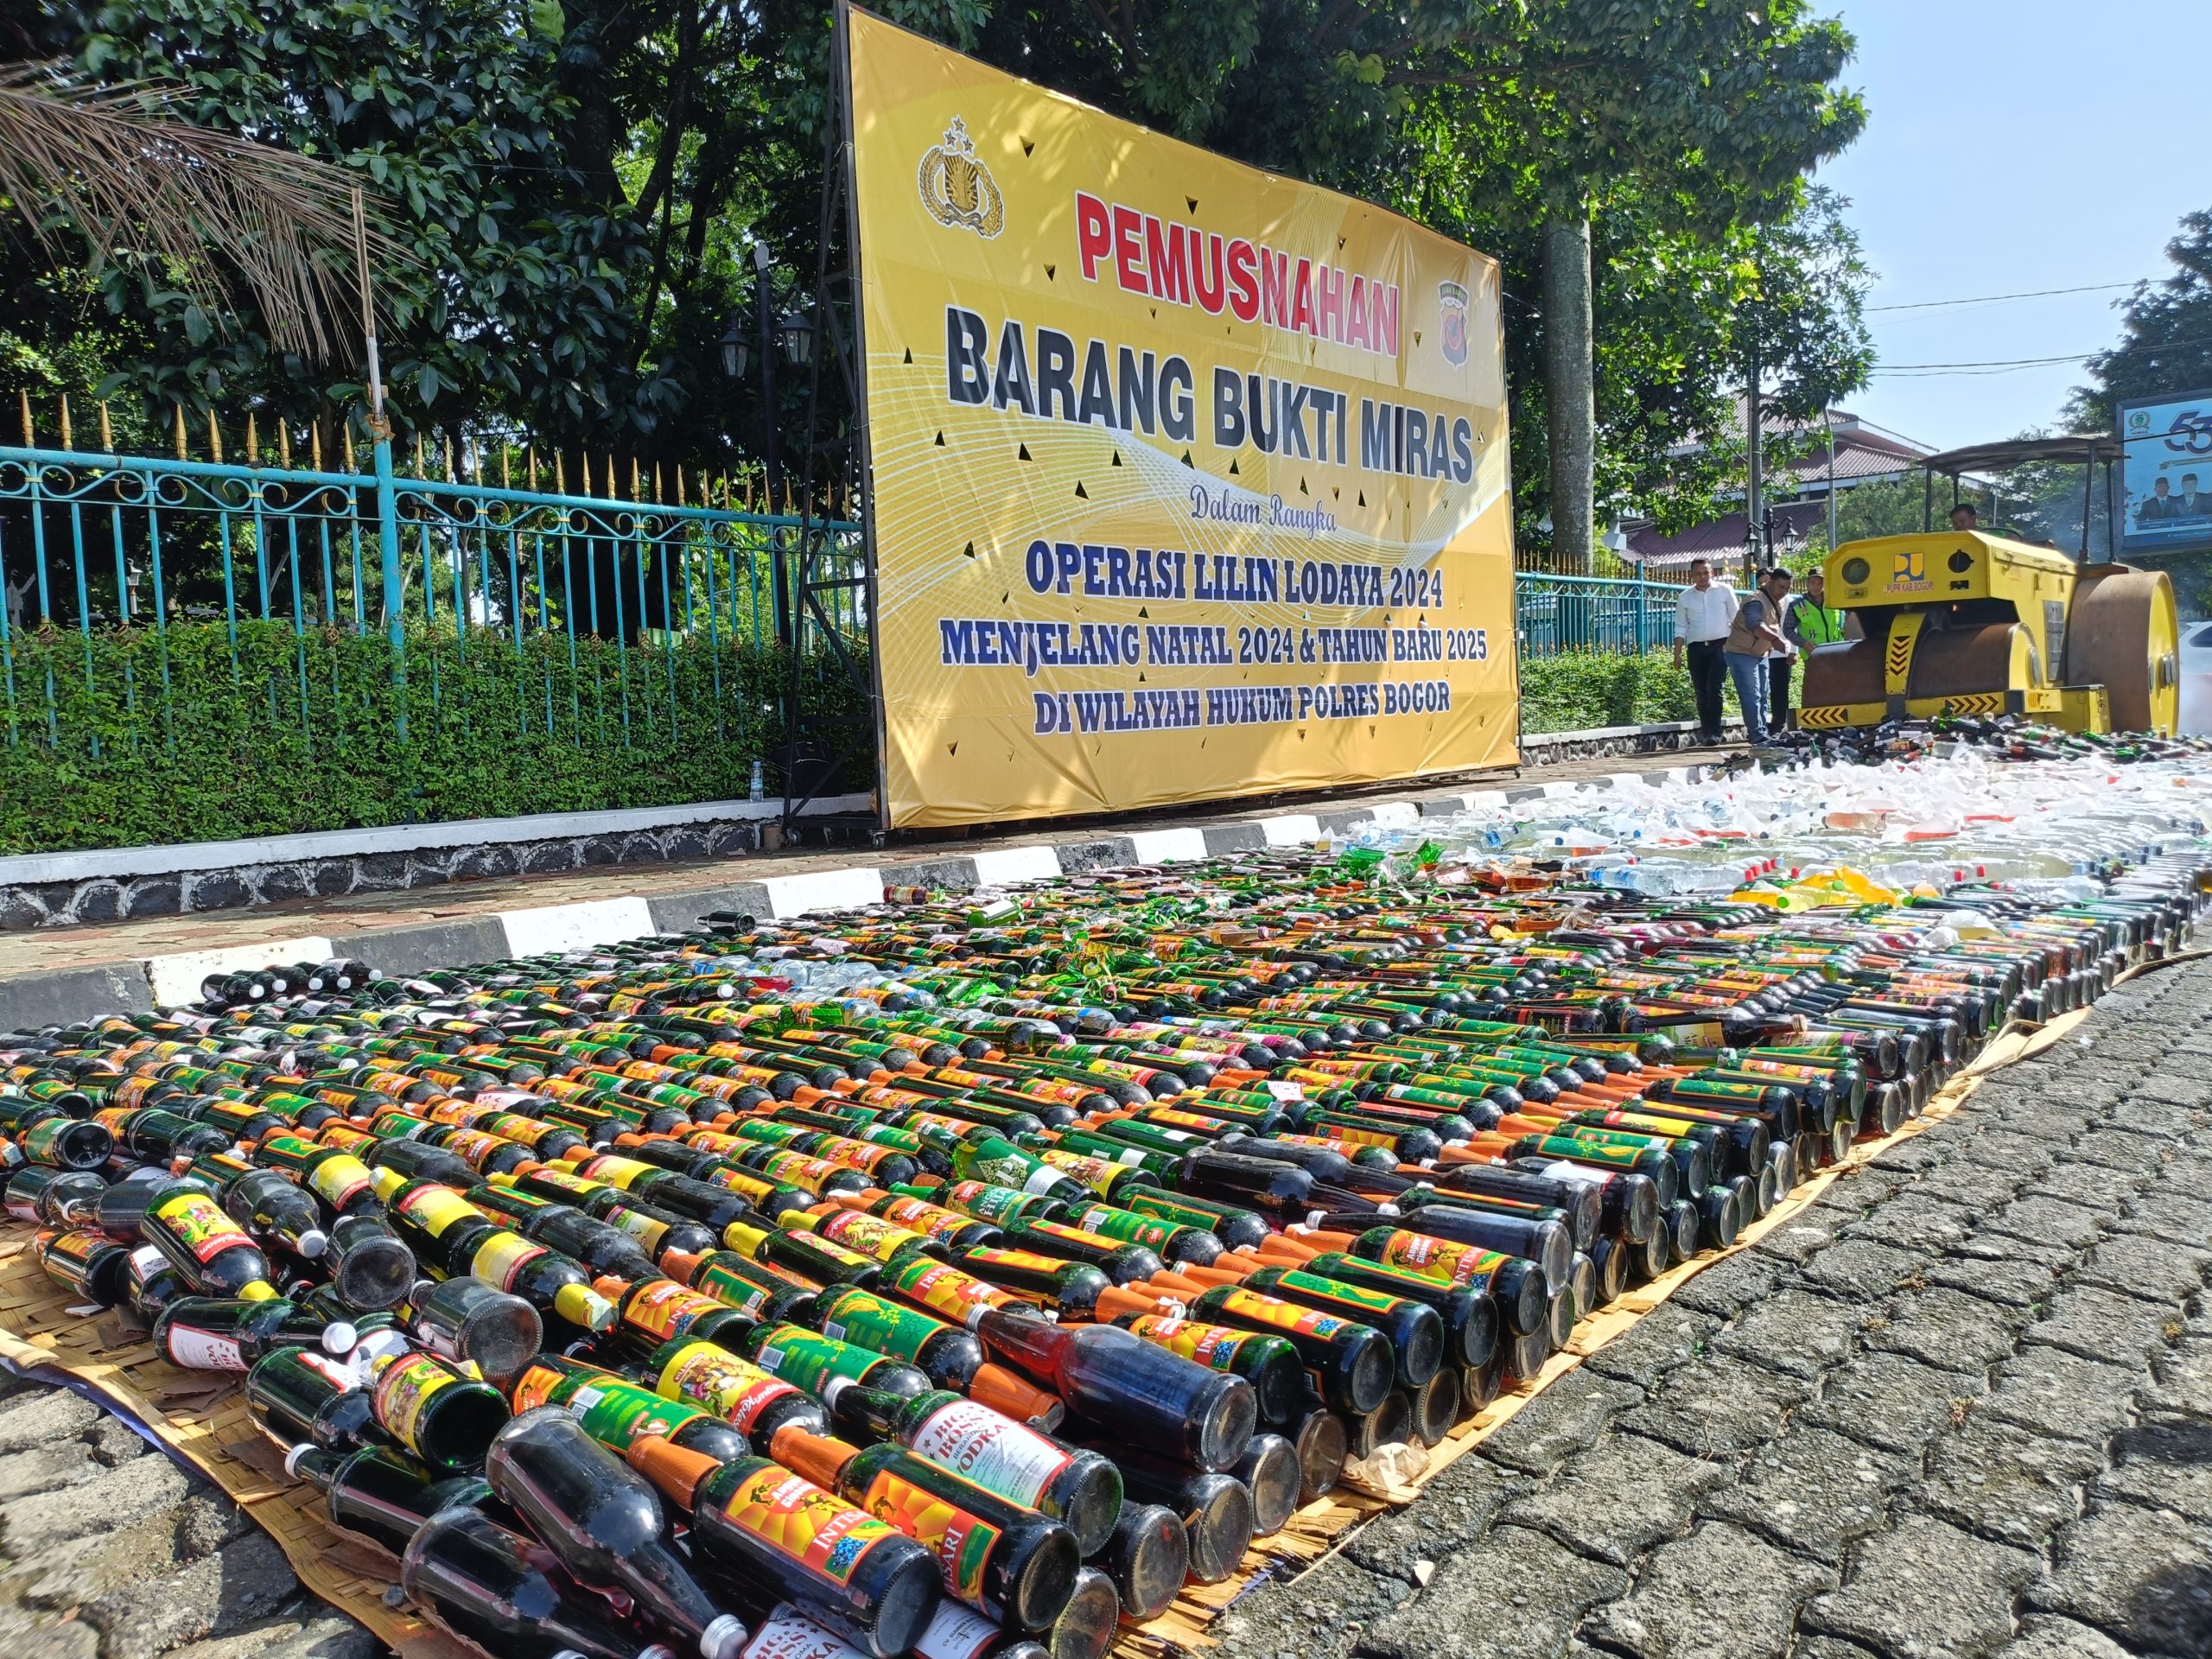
[
  {"x": 2166, "y": 336},
  {"x": 1713, "y": 110},
  {"x": 448, "y": 112}
]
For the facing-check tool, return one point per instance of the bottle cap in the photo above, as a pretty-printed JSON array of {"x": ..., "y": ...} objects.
[
  {"x": 1014, "y": 1397},
  {"x": 683, "y": 1266},
  {"x": 259, "y": 1291},
  {"x": 292, "y": 1458},
  {"x": 676, "y": 1470},
  {"x": 584, "y": 1307},
  {"x": 339, "y": 1337},
  {"x": 611, "y": 1287},
  {"x": 723, "y": 1638},
  {"x": 312, "y": 1243},
  {"x": 819, "y": 1458},
  {"x": 1122, "y": 1300}
]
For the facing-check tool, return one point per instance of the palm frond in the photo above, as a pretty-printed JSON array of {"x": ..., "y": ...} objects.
[{"x": 239, "y": 224}]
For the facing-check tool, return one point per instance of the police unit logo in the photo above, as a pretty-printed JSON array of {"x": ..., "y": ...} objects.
[
  {"x": 958, "y": 189},
  {"x": 1452, "y": 298}
]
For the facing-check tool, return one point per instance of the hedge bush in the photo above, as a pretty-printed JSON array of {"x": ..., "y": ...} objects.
[
  {"x": 168, "y": 736},
  {"x": 1581, "y": 689}
]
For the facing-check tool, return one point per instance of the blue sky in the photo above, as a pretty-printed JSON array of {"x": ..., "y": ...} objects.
[{"x": 2014, "y": 146}]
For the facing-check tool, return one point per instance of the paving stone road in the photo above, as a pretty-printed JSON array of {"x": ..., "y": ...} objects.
[{"x": 1962, "y": 1407}]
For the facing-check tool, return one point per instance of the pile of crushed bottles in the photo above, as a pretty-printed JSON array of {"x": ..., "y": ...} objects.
[{"x": 964, "y": 1275}]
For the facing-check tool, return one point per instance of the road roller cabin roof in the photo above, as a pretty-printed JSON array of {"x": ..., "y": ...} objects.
[{"x": 1939, "y": 567}]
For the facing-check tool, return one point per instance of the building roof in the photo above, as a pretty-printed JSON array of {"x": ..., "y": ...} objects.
[{"x": 1716, "y": 538}]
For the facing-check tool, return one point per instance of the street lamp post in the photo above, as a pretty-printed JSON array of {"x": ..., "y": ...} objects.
[{"x": 793, "y": 332}]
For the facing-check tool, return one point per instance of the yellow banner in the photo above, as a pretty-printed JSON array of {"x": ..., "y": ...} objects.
[{"x": 1188, "y": 481}]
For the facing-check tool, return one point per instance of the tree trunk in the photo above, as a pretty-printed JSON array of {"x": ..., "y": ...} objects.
[{"x": 1570, "y": 388}]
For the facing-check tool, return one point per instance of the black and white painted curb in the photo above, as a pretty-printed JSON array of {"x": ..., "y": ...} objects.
[{"x": 34, "y": 999}]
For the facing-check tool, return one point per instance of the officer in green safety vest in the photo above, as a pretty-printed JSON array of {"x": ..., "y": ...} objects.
[{"x": 1810, "y": 622}]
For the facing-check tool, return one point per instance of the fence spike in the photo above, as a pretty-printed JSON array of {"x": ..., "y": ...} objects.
[
  {"x": 679, "y": 483},
  {"x": 560, "y": 481},
  {"x": 67, "y": 442},
  {"x": 179, "y": 411},
  {"x": 107, "y": 431},
  {"x": 637, "y": 491},
  {"x": 253, "y": 441},
  {"x": 452, "y": 477},
  {"x": 283, "y": 442},
  {"x": 422, "y": 467},
  {"x": 214, "y": 438},
  {"x": 507, "y": 456},
  {"x": 315, "y": 442},
  {"x": 30, "y": 440},
  {"x": 529, "y": 455},
  {"x": 346, "y": 437}
]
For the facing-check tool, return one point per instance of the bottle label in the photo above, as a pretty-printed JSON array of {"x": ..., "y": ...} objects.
[
  {"x": 997, "y": 1453},
  {"x": 648, "y": 1232},
  {"x": 666, "y": 1309},
  {"x": 1017, "y": 1260},
  {"x": 930, "y": 1220},
  {"x": 955, "y": 1632},
  {"x": 788, "y": 1634},
  {"x": 871, "y": 1236},
  {"x": 1355, "y": 1296},
  {"x": 542, "y": 1385},
  {"x": 869, "y": 1321},
  {"x": 1435, "y": 1258},
  {"x": 1003, "y": 1164},
  {"x": 501, "y": 1257},
  {"x": 1129, "y": 1228},
  {"x": 404, "y": 1392},
  {"x": 198, "y": 1223},
  {"x": 808, "y": 1360},
  {"x": 433, "y": 1209},
  {"x": 731, "y": 1290},
  {"x": 961, "y": 1542},
  {"x": 202, "y": 1351},
  {"x": 798, "y": 1519},
  {"x": 1099, "y": 1174},
  {"x": 959, "y": 1296},
  {"x": 562, "y": 1181},
  {"x": 615, "y": 1413},
  {"x": 1283, "y": 1315},
  {"x": 475, "y": 1145},
  {"x": 1212, "y": 1346},
  {"x": 734, "y": 1389},
  {"x": 337, "y": 1180},
  {"x": 38, "y": 1140},
  {"x": 987, "y": 1203}
]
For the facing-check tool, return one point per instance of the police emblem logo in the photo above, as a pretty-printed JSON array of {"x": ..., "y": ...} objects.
[
  {"x": 1452, "y": 298},
  {"x": 958, "y": 189}
]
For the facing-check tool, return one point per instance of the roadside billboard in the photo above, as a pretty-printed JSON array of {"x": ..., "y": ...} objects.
[
  {"x": 2166, "y": 474},
  {"x": 1186, "y": 481}
]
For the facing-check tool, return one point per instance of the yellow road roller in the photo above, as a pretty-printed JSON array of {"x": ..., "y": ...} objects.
[{"x": 1963, "y": 622}]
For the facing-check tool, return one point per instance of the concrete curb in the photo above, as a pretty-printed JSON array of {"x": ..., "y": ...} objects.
[{"x": 39, "y": 999}]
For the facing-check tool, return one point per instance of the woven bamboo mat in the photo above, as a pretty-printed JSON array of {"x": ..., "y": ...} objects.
[
  {"x": 202, "y": 1417},
  {"x": 1324, "y": 1525}
]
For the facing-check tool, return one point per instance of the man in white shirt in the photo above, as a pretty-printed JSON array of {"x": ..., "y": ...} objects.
[{"x": 1703, "y": 616}]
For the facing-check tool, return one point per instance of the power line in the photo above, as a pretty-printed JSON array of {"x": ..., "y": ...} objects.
[
  {"x": 2001, "y": 365},
  {"x": 1992, "y": 298}
]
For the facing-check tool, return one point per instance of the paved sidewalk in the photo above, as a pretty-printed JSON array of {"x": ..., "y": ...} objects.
[
  {"x": 61, "y": 973},
  {"x": 1960, "y": 1406}
]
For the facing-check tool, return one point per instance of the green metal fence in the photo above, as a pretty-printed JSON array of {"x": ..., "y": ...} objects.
[
  {"x": 1561, "y": 614},
  {"x": 96, "y": 546},
  {"x": 192, "y": 649}
]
